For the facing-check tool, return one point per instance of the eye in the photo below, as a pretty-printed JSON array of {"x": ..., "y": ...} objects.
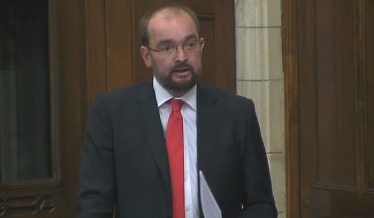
[
  {"x": 165, "y": 48},
  {"x": 191, "y": 44}
]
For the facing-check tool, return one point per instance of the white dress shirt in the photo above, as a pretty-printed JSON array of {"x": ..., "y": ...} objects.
[{"x": 190, "y": 142}]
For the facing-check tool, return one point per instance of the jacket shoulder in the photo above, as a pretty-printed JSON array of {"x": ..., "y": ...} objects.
[
  {"x": 123, "y": 94},
  {"x": 226, "y": 96}
]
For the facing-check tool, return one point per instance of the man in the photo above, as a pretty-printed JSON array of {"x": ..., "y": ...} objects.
[{"x": 147, "y": 143}]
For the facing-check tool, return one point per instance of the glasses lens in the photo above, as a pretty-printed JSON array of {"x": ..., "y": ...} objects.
[
  {"x": 171, "y": 50},
  {"x": 191, "y": 46},
  {"x": 167, "y": 51}
]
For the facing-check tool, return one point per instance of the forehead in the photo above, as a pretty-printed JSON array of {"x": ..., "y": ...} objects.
[{"x": 171, "y": 24}]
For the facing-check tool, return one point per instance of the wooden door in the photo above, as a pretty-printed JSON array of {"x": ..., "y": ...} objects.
[
  {"x": 92, "y": 47},
  {"x": 334, "y": 84},
  {"x": 43, "y": 106}
]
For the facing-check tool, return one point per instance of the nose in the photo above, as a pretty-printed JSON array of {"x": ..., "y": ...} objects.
[{"x": 180, "y": 54}]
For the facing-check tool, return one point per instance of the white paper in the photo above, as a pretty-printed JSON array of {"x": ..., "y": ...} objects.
[{"x": 208, "y": 203}]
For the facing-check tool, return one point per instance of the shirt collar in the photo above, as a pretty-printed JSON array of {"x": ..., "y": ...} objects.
[{"x": 163, "y": 96}]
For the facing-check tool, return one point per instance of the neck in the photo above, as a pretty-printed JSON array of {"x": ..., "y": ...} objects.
[{"x": 176, "y": 94}]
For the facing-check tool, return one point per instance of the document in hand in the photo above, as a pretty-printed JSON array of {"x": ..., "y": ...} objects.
[{"x": 208, "y": 203}]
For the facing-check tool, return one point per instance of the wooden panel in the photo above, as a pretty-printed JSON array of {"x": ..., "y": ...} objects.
[
  {"x": 334, "y": 107},
  {"x": 209, "y": 57},
  {"x": 202, "y": 7},
  {"x": 96, "y": 74},
  {"x": 306, "y": 199},
  {"x": 369, "y": 94},
  {"x": 289, "y": 47},
  {"x": 119, "y": 43},
  {"x": 335, "y": 93},
  {"x": 340, "y": 205},
  {"x": 306, "y": 115},
  {"x": 71, "y": 104}
]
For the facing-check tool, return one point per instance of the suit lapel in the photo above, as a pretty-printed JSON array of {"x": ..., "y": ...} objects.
[
  {"x": 149, "y": 119},
  {"x": 207, "y": 117}
]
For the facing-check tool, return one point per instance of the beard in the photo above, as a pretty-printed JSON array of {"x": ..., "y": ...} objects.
[{"x": 166, "y": 80}]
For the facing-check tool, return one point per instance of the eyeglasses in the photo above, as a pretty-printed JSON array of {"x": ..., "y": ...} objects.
[{"x": 170, "y": 50}]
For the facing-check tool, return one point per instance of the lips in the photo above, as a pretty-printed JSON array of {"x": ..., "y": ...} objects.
[
  {"x": 181, "y": 67},
  {"x": 181, "y": 73},
  {"x": 181, "y": 70}
]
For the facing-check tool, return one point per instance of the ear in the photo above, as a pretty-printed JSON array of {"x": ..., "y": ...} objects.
[
  {"x": 202, "y": 43},
  {"x": 144, "y": 51}
]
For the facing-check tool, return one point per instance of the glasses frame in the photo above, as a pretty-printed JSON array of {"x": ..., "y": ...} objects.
[{"x": 176, "y": 49}]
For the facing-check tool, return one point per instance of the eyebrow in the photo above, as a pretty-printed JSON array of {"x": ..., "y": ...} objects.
[{"x": 166, "y": 41}]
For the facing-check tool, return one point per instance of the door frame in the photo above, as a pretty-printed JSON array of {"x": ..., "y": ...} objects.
[{"x": 290, "y": 68}]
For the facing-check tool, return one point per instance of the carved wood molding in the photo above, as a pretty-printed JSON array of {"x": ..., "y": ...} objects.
[
  {"x": 34, "y": 205},
  {"x": 290, "y": 52},
  {"x": 3, "y": 207}
]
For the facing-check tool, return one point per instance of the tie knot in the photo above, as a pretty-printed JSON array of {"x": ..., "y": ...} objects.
[{"x": 176, "y": 104}]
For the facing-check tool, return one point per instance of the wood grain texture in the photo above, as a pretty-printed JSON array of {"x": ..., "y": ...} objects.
[
  {"x": 290, "y": 66},
  {"x": 329, "y": 98}
]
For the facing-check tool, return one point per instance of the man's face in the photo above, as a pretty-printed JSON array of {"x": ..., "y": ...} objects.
[{"x": 180, "y": 72}]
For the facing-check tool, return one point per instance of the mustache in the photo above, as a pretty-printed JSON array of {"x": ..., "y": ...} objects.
[{"x": 181, "y": 65}]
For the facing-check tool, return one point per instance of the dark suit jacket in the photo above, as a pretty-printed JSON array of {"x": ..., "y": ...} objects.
[{"x": 125, "y": 163}]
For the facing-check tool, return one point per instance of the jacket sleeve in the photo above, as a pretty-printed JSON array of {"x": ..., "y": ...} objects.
[
  {"x": 258, "y": 200},
  {"x": 97, "y": 192}
]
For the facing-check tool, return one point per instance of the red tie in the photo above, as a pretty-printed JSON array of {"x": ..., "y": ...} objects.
[{"x": 175, "y": 147}]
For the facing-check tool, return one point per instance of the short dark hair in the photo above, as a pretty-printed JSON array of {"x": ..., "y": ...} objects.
[{"x": 144, "y": 21}]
